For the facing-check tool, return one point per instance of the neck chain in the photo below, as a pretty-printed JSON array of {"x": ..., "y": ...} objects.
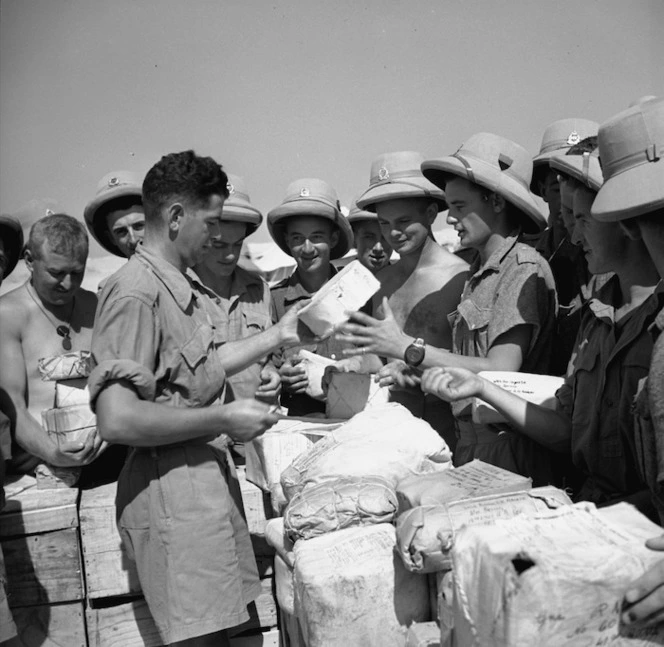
[{"x": 61, "y": 329}]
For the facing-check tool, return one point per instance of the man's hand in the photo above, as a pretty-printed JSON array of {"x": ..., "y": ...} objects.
[
  {"x": 398, "y": 376},
  {"x": 246, "y": 419},
  {"x": 294, "y": 378},
  {"x": 77, "y": 454},
  {"x": 270, "y": 386},
  {"x": 292, "y": 332},
  {"x": 643, "y": 605},
  {"x": 382, "y": 337},
  {"x": 452, "y": 384}
]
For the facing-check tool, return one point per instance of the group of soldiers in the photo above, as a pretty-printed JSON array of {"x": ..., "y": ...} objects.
[{"x": 193, "y": 355}]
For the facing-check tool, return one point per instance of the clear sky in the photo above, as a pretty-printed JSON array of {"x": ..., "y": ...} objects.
[{"x": 279, "y": 90}]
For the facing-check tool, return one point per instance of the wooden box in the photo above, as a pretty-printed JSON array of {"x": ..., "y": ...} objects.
[
  {"x": 108, "y": 570},
  {"x": 40, "y": 544},
  {"x": 257, "y": 505},
  {"x": 129, "y": 624},
  {"x": 56, "y": 625}
]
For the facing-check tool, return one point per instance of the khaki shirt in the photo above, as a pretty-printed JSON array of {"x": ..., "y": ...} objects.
[
  {"x": 609, "y": 360},
  {"x": 158, "y": 329},
  {"x": 249, "y": 312},
  {"x": 514, "y": 287}
]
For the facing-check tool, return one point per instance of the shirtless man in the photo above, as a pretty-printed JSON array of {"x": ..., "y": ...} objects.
[
  {"x": 420, "y": 290},
  {"x": 48, "y": 315},
  {"x": 115, "y": 216}
]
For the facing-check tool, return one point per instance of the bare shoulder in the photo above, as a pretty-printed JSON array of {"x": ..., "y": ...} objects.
[
  {"x": 451, "y": 262},
  {"x": 15, "y": 309}
]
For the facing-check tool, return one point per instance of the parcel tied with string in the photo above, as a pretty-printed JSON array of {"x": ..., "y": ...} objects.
[
  {"x": 340, "y": 503},
  {"x": 556, "y": 578},
  {"x": 425, "y": 534},
  {"x": 351, "y": 589},
  {"x": 473, "y": 479},
  {"x": 385, "y": 441}
]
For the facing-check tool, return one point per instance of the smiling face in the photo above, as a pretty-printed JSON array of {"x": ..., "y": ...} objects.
[
  {"x": 224, "y": 254},
  {"x": 196, "y": 225},
  {"x": 56, "y": 276},
  {"x": 470, "y": 212},
  {"x": 126, "y": 227},
  {"x": 310, "y": 240},
  {"x": 603, "y": 242},
  {"x": 406, "y": 223},
  {"x": 373, "y": 250}
]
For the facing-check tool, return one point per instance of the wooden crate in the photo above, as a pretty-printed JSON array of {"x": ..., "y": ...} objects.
[
  {"x": 40, "y": 544},
  {"x": 130, "y": 624},
  {"x": 32, "y": 510},
  {"x": 257, "y": 505},
  {"x": 55, "y": 625},
  {"x": 108, "y": 570}
]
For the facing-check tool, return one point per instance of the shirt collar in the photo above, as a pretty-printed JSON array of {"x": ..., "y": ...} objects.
[
  {"x": 182, "y": 287},
  {"x": 604, "y": 302},
  {"x": 494, "y": 261},
  {"x": 242, "y": 279}
]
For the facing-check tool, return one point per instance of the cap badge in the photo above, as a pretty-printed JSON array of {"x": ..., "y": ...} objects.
[
  {"x": 383, "y": 173},
  {"x": 49, "y": 212},
  {"x": 231, "y": 188},
  {"x": 113, "y": 181},
  {"x": 573, "y": 138},
  {"x": 304, "y": 192}
]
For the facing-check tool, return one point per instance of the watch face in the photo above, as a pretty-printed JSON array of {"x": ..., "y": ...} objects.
[{"x": 414, "y": 355}]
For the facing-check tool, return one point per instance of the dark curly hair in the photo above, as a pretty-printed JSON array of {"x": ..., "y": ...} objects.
[{"x": 184, "y": 176}]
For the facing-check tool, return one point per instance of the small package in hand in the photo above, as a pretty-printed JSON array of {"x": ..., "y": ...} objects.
[{"x": 345, "y": 292}]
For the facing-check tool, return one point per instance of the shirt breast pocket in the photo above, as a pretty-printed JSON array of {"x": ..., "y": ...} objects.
[
  {"x": 255, "y": 322},
  {"x": 476, "y": 320},
  {"x": 205, "y": 374}
]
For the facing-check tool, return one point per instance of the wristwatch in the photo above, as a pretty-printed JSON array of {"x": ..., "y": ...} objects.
[{"x": 414, "y": 354}]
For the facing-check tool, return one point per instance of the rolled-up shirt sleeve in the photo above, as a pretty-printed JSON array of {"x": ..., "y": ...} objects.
[{"x": 125, "y": 345}]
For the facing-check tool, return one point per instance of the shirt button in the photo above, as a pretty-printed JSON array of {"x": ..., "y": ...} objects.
[{"x": 333, "y": 356}]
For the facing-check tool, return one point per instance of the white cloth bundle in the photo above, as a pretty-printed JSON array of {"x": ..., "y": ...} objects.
[
  {"x": 553, "y": 579},
  {"x": 425, "y": 534},
  {"x": 385, "y": 441}
]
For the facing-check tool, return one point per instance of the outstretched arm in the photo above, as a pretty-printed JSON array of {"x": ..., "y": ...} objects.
[
  {"x": 125, "y": 418},
  {"x": 552, "y": 429},
  {"x": 235, "y": 356},
  {"x": 385, "y": 338}
]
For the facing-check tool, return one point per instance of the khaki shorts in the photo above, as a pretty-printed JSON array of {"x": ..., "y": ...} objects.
[{"x": 180, "y": 516}]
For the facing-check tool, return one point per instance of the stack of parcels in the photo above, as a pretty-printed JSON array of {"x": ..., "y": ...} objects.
[
  {"x": 71, "y": 419},
  {"x": 340, "y": 581},
  {"x": 556, "y": 578},
  {"x": 436, "y": 507},
  {"x": 270, "y": 454},
  {"x": 385, "y": 441}
]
